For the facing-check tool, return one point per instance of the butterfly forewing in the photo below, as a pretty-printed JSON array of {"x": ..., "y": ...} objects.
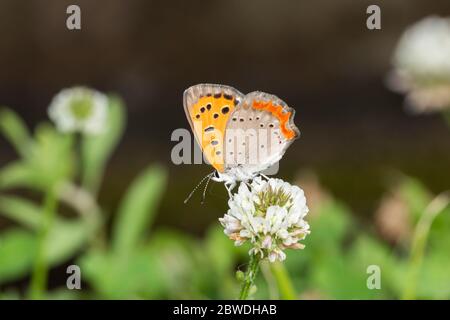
[{"x": 208, "y": 108}]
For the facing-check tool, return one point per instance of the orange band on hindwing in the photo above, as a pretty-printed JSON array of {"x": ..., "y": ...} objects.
[{"x": 277, "y": 112}]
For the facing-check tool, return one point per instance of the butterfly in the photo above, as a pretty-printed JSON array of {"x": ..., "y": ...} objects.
[{"x": 239, "y": 135}]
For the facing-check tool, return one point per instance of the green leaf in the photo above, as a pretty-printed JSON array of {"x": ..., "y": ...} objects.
[
  {"x": 416, "y": 196},
  {"x": 321, "y": 267},
  {"x": 136, "y": 277},
  {"x": 434, "y": 279},
  {"x": 21, "y": 211},
  {"x": 51, "y": 155},
  {"x": 11, "y": 294},
  {"x": 15, "y": 130},
  {"x": 64, "y": 294},
  {"x": 180, "y": 267},
  {"x": 65, "y": 239},
  {"x": 220, "y": 251},
  {"x": 366, "y": 251},
  {"x": 18, "y": 247},
  {"x": 329, "y": 228},
  {"x": 96, "y": 150},
  {"x": 19, "y": 174},
  {"x": 283, "y": 280},
  {"x": 138, "y": 208},
  {"x": 49, "y": 160},
  {"x": 334, "y": 279}
]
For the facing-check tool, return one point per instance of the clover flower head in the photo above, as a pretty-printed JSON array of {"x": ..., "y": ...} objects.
[
  {"x": 268, "y": 214},
  {"x": 79, "y": 109},
  {"x": 422, "y": 65},
  {"x": 424, "y": 48}
]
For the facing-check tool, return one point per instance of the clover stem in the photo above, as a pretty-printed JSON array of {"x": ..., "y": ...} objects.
[
  {"x": 250, "y": 276},
  {"x": 283, "y": 280},
  {"x": 419, "y": 242},
  {"x": 40, "y": 269}
]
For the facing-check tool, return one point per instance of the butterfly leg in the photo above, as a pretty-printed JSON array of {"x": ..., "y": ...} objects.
[
  {"x": 264, "y": 176},
  {"x": 230, "y": 186},
  {"x": 228, "y": 190}
]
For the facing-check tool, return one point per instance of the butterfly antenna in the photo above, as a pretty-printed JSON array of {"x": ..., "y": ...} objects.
[
  {"x": 197, "y": 186},
  {"x": 206, "y": 188}
]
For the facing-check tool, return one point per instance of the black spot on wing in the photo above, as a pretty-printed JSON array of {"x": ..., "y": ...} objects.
[{"x": 209, "y": 129}]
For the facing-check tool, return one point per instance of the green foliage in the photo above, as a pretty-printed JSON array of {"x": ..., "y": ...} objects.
[
  {"x": 21, "y": 211},
  {"x": 14, "y": 130},
  {"x": 338, "y": 252},
  {"x": 129, "y": 268},
  {"x": 19, "y": 248},
  {"x": 16, "y": 253},
  {"x": 96, "y": 150},
  {"x": 47, "y": 161},
  {"x": 138, "y": 208}
]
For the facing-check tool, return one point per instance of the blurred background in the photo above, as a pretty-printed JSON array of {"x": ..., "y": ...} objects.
[{"x": 317, "y": 56}]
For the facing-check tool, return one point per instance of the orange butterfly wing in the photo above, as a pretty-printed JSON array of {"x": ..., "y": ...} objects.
[{"x": 208, "y": 108}]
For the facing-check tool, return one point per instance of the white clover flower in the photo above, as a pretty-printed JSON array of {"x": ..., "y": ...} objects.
[
  {"x": 268, "y": 214},
  {"x": 424, "y": 49},
  {"x": 79, "y": 109},
  {"x": 422, "y": 64}
]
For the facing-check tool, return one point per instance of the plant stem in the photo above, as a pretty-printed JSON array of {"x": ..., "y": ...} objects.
[
  {"x": 419, "y": 242},
  {"x": 284, "y": 283},
  {"x": 40, "y": 269},
  {"x": 250, "y": 277},
  {"x": 272, "y": 285}
]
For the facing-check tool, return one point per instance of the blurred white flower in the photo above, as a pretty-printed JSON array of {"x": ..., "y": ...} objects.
[
  {"x": 422, "y": 65},
  {"x": 79, "y": 109},
  {"x": 268, "y": 214}
]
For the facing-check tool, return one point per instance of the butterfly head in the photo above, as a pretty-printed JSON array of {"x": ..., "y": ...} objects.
[
  {"x": 232, "y": 175},
  {"x": 222, "y": 177}
]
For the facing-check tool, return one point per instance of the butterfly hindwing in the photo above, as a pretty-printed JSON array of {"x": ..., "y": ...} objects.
[
  {"x": 208, "y": 108},
  {"x": 260, "y": 130}
]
